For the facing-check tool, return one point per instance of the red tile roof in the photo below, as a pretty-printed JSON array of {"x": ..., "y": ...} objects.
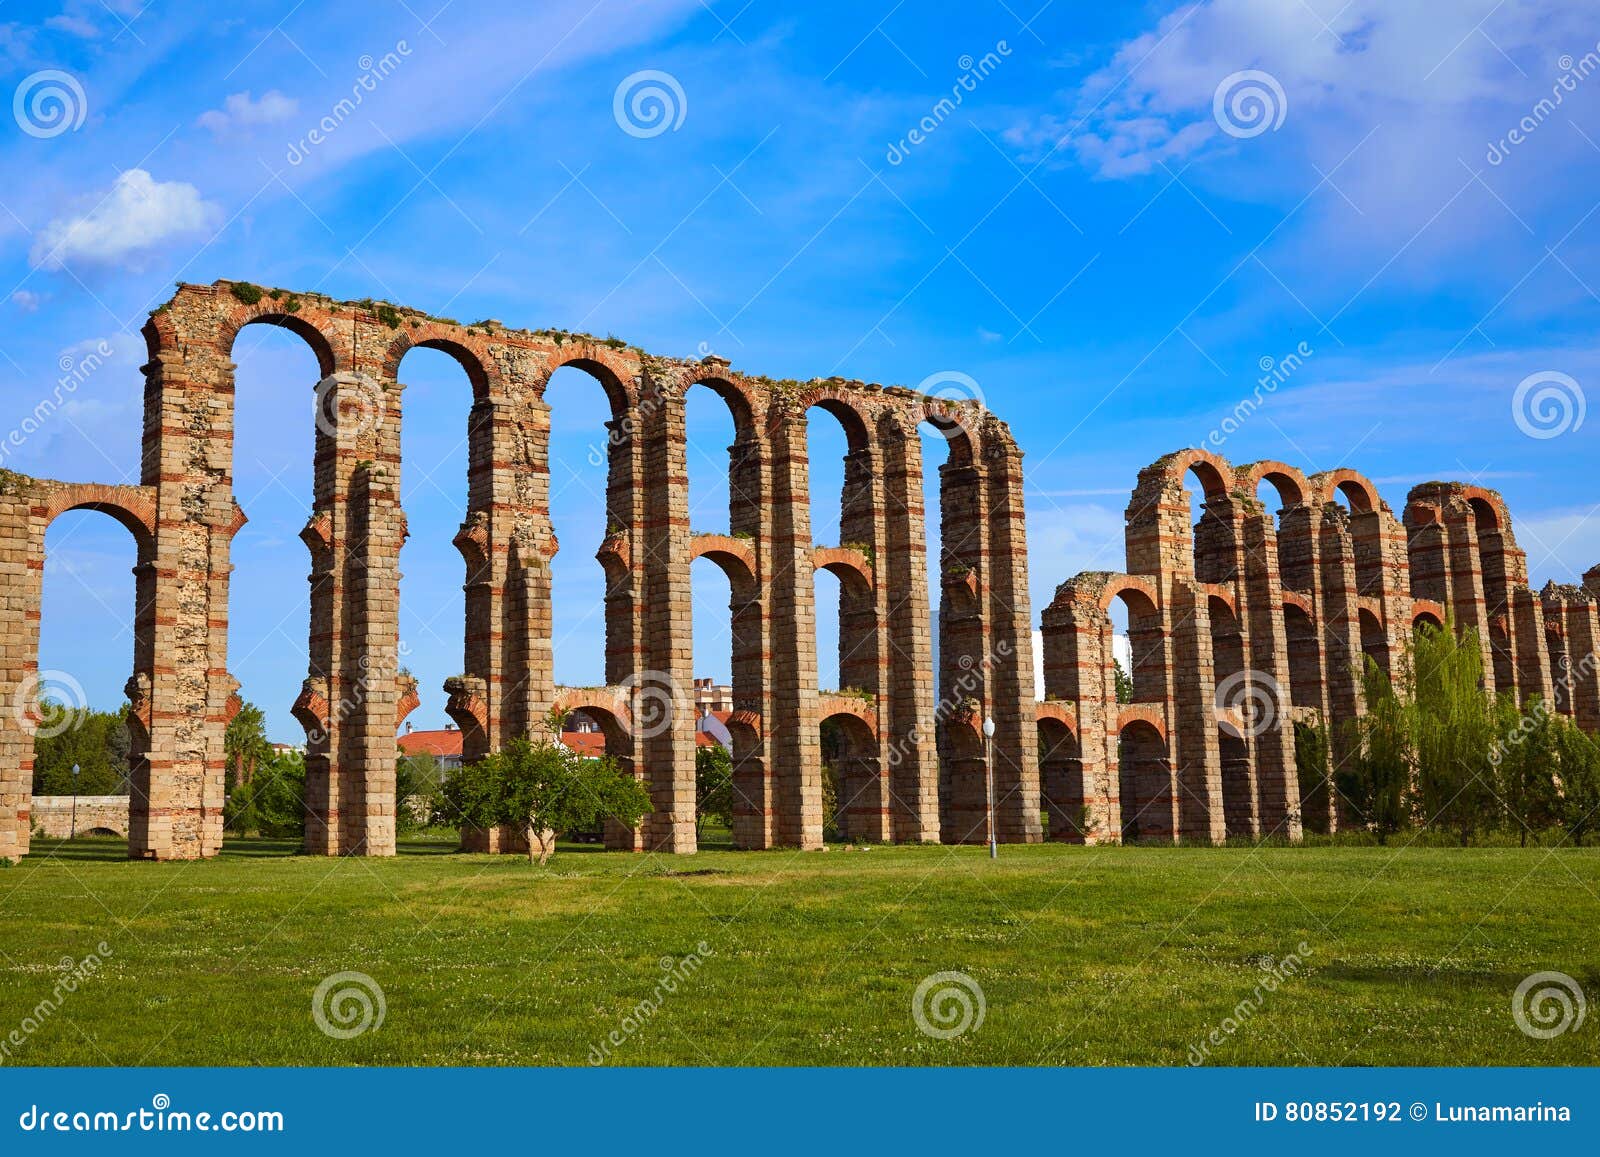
[{"x": 447, "y": 742}]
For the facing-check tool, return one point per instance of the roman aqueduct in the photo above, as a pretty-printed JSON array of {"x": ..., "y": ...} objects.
[{"x": 1239, "y": 625}]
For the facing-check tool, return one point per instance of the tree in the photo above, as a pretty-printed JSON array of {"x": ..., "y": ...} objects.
[
  {"x": 1524, "y": 762},
  {"x": 1578, "y": 769},
  {"x": 272, "y": 803},
  {"x": 713, "y": 784},
  {"x": 1377, "y": 776},
  {"x": 540, "y": 787},
  {"x": 244, "y": 744},
  {"x": 1454, "y": 730},
  {"x": 97, "y": 741},
  {"x": 1124, "y": 682}
]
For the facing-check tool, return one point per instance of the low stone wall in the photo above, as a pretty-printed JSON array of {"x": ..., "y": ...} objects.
[{"x": 52, "y": 815}]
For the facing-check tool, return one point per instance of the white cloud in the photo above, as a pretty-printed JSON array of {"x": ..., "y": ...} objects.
[
  {"x": 136, "y": 215},
  {"x": 73, "y": 26},
  {"x": 26, "y": 300},
  {"x": 240, "y": 111},
  {"x": 1398, "y": 101}
]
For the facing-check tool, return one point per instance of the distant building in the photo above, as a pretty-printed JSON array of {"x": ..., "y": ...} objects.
[{"x": 713, "y": 708}]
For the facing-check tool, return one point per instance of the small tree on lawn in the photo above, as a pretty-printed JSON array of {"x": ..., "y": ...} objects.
[{"x": 540, "y": 787}]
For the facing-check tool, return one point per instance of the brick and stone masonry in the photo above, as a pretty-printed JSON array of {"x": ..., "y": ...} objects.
[
  {"x": 912, "y": 758},
  {"x": 1242, "y": 625}
]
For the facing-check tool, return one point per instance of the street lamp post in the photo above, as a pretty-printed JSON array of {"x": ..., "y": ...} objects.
[
  {"x": 988, "y": 782},
  {"x": 75, "y": 770}
]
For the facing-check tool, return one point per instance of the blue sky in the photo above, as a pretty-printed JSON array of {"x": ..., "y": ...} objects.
[{"x": 1097, "y": 235}]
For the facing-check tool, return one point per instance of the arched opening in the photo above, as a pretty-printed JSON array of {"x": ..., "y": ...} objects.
[
  {"x": 592, "y": 732},
  {"x": 282, "y": 436},
  {"x": 1366, "y": 534},
  {"x": 713, "y": 613},
  {"x": 1066, "y": 812},
  {"x": 955, "y": 568},
  {"x": 1233, "y": 698},
  {"x": 1215, "y": 551},
  {"x": 852, "y": 769},
  {"x": 441, "y": 432},
  {"x": 1496, "y": 590},
  {"x": 588, "y": 438},
  {"x": 75, "y": 705},
  {"x": 1144, "y": 656},
  {"x": 1374, "y": 643},
  {"x": 1284, "y": 495},
  {"x": 1427, "y": 619},
  {"x": 1144, "y": 784},
  {"x": 839, "y": 461}
]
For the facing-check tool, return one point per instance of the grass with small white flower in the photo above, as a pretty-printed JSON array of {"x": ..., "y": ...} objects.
[{"x": 1085, "y": 956}]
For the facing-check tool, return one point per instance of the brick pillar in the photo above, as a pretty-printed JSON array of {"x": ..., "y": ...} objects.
[
  {"x": 176, "y": 790},
  {"x": 622, "y": 555},
  {"x": 1012, "y": 694},
  {"x": 749, "y": 516},
  {"x": 863, "y": 647},
  {"x": 909, "y": 725},
  {"x": 1261, "y": 593},
  {"x": 663, "y": 707},
  {"x": 794, "y": 739},
  {"x": 367, "y": 747},
  {"x": 964, "y": 647},
  {"x": 1081, "y": 795},
  {"x": 1573, "y": 613},
  {"x": 20, "y": 580}
]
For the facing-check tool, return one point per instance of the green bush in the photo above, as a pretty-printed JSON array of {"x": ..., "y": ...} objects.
[{"x": 541, "y": 787}]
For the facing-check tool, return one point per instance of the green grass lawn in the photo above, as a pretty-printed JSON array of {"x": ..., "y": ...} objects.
[{"x": 1084, "y": 956}]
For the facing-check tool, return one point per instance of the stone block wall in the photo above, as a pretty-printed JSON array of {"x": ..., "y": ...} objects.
[
  {"x": 184, "y": 515},
  {"x": 1243, "y": 624}
]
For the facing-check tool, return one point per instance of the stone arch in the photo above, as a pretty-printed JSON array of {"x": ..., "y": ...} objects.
[
  {"x": 132, "y": 507},
  {"x": 1144, "y": 781},
  {"x": 956, "y": 423},
  {"x": 1147, "y": 635},
  {"x": 1291, "y": 485},
  {"x": 1427, "y": 611},
  {"x": 330, "y": 354},
  {"x": 1061, "y": 777},
  {"x": 607, "y": 706},
  {"x": 617, "y": 378},
  {"x": 467, "y": 352},
  {"x": 1374, "y": 641},
  {"x": 862, "y": 808},
  {"x": 1355, "y": 488}
]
